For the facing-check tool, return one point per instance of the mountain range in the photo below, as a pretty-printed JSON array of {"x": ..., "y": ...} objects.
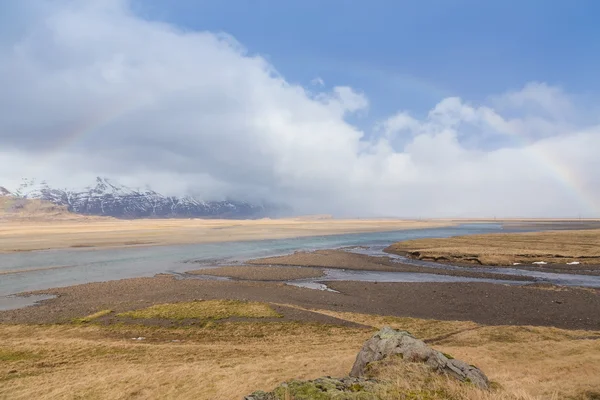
[{"x": 107, "y": 198}]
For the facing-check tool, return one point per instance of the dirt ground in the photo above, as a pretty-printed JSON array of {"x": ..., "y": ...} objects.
[{"x": 484, "y": 303}]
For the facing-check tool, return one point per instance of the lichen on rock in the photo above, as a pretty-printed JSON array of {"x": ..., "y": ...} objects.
[
  {"x": 386, "y": 345},
  {"x": 389, "y": 342}
]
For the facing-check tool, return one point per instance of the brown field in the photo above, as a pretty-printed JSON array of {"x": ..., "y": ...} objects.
[
  {"x": 225, "y": 360},
  {"x": 253, "y": 273},
  {"x": 554, "y": 247},
  {"x": 26, "y": 235}
]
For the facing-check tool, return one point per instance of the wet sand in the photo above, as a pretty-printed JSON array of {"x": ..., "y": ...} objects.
[
  {"x": 484, "y": 303},
  {"x": 340, "y": 259},
  {"x": 257, "y": 273},
  {"x": 585, "y": 269}
]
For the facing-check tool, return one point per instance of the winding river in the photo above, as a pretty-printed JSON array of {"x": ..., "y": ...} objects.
[{"x": 38, "y": 270}]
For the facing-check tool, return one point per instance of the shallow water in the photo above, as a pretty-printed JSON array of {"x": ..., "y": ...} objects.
[
  {"x": 540, "y": 277},
  {"x": 332, "y": 275},
  {"x": 13, "y": 302},
  {"x": 46, "y": 269},
  {"x": 40, "y": 270}
]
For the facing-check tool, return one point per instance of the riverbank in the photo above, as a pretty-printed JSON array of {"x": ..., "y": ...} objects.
[
  {"x": 346, "y": 260},
  {"x": 565, "y": 250},
  {"x": 485, "y": 303},
  {"x": 16, "y": 236}
]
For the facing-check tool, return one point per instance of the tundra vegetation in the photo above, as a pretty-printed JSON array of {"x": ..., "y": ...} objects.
[
  {"x": 235, "y": 348},
  {"x": 553, "y": 247}
]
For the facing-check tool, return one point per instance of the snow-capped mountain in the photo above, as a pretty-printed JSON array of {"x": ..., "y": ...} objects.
[{"x": 110, "y": 199}]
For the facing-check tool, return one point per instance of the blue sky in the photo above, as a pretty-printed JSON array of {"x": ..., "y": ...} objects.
[
  {"x": 410, "y": 54},
  {"x": 431, "y": 107}
]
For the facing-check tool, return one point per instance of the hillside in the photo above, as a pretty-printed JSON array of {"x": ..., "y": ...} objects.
[
  {"x": 17, "y": 209},
  {"x": 108, "y": 198}
]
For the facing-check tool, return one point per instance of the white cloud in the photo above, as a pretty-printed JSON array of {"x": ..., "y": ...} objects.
[
  {"x": 317, "y": 82},
  {"x": 90, "y": 89},
  {"x": 537, "y": 97}
]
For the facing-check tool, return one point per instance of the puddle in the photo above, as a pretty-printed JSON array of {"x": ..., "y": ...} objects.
[
  {"x": 311, "y": 285},
  {"x": 13, "y": 302}
]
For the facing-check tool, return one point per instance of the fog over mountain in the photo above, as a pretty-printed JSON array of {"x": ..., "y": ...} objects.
[
  {"x": 107, "y": 198},
  {"x": 93, "y": 89}
]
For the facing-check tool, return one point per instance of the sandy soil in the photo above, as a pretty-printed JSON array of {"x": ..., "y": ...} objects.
[
  {"x": 480, "y": 302},
  {"x": 52, "y": 234},
  {"x": 339, "y": 259},
  {"x": 553, "y": 247},
  {"x": 257, "y": 273}
]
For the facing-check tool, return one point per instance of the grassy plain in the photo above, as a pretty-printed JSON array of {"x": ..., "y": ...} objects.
[
  {"x": 227, "y": 359},
  {"x": 210, "y": 309},
  {"x": 556, "y": 247},
  {"x": 27, "y": 235}
]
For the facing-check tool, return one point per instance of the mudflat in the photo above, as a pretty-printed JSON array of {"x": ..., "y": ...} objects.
[
  {"x": 261, "y": 273},
  {"x": 27, "y": 234},
  {"x": 485, "y": 303},
  {"x": 340, "y": 259}
]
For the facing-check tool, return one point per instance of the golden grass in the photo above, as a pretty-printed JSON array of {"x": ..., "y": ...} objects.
[
  {"x": 224, "y": 361},
  {"x": 227, "y": 360},
  {"x": 92, "y": 317},
  {"x": 417, "y": 382},
  {"x": 505, "y": 249},
  {"x": 16, "y": 208},
  {"x": 208, "y": 309},
  {"x": 528, "y": 362}
]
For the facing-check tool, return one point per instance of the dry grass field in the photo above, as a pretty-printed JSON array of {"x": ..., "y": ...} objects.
[
  {"x": 229, "y": 358},
  {"x": 560, "y": 247},
  {"x": 27, "y": 225},
  {"x": 27, "y": 235}
]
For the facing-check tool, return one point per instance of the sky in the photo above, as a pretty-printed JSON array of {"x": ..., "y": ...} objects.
[{"x": 425, "y": 108}]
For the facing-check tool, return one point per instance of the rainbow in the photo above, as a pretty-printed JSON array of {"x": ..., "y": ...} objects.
[
  {"x": 587, "y": 204},
  {"x": 96, "y": 121}
]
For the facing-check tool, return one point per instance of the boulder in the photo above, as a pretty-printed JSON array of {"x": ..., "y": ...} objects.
[
  {"x": 385, "y": 344},
  {"x": 392, "y": 343}
]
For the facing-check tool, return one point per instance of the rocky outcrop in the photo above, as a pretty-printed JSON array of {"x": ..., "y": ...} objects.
[
  {"x": 392, "y": 343},
  {"x": 387, "y": 344}
]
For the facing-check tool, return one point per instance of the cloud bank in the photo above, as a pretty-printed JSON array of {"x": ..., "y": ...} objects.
[{"x": 90, "y": 88}]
